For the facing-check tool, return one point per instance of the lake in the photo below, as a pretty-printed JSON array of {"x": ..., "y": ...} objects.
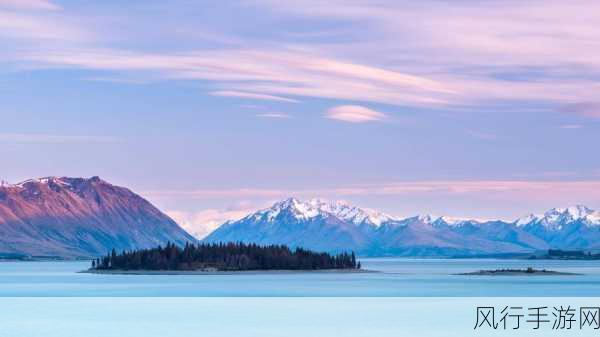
[{"x": 395, "y": 277}]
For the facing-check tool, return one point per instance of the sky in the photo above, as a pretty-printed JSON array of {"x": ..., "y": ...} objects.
[{"x": 213, "y": 109}]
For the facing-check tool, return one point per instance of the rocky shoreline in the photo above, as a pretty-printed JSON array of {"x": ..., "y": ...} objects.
[{"x": 224, "y": 272}]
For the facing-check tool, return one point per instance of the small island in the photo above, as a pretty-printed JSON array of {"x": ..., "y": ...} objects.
[
  {"x": 221, "y": 257},
  {"x": 517, "y": 272}
]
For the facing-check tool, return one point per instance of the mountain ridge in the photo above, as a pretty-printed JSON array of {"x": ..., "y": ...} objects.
[
  {"x": 79, "y": 217},
  {"x": 331, "y": 226}
]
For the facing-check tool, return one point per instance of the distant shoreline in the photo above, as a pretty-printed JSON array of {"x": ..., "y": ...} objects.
[
  {"x": 227, "y": 272},
  {"x": 45, "y": 259},
  {"x": 517, "y": 272}
]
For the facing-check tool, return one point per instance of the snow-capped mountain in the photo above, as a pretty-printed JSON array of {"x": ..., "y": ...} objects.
[
  {"x": 78, "y": 217},
  {"x": 556, "y": 218},
  {"x": 334, "y": 226},
  {"x": 315, "y": 224},
  {"x": 576, "y": 227},
  {"x": 314, "y": 208}
]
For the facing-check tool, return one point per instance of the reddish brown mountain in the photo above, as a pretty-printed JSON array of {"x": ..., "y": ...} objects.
[{"x": 76, "y": 217}]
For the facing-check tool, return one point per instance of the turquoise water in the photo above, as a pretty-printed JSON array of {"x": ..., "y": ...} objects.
[
  {"x": 396, "y": 277},
  {"x": 407, "y": 297},
  {"x": 268, "y": 317}
]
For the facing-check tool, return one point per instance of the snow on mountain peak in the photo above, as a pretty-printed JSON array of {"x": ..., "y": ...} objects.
[
  {"x": 43, "y": 181},
  {"x": 456, "y": 221},
  {"x": 573, "y": 212},
  {"x": 436, "y": 220},
  {"x": 298, "y": 209},
  {"x": 343, "y": 210},
  {"x": 555, "y": 218},
  {"x": 319, "y": 207},
  {"x": 527, "y": 219}
]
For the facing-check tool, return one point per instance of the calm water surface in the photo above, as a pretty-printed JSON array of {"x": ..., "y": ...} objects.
[{"x": 396, "y": 277}]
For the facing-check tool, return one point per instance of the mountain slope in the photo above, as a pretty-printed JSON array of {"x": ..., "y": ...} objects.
[
  {"x": 336, "y": 226},
  {"x": 429, "y": 236},
  {"x": 314, "y": 224},
  {"x": 76, "y": 217},
  {"x": 576, "y": 227}
]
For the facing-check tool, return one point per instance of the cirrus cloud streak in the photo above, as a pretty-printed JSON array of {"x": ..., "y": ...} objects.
[
  {"x": 252, "y": 95},
  {"x": 482, "y": 54},
  {"x": 443, "y": 187},
  {"x": 29, "y": 4},
  {"x": 355, "y": 114}
]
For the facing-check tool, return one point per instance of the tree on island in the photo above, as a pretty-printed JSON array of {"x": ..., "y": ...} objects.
[{"x": 224, "y": 256}]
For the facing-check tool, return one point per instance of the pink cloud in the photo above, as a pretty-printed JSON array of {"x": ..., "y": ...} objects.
[
  {"x": 571, "y": 126},
  {"x": 441, "y": 187},
  {"x": 468, "y": 50},
  {"x": 506, "y": 199},
  {"x": 15, "y": 25},
  {"x": 29, "y": 4},
  {"x": 355, "y": 114},
  {"x": 415, "y": 54},
  {"x": 278, "y": 115},
  {"x": 264, "y": 74},
  {"x": 252, "y": 95}
]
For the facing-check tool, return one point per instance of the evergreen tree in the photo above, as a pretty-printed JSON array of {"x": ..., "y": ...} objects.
[{"x": 225, "y": 256}]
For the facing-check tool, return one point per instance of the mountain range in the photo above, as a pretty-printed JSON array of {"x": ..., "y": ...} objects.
[
  {"x": 336, "y": 226},
  {"x": 80, "y": 218},
  {"x": 77, "y": 217}
]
